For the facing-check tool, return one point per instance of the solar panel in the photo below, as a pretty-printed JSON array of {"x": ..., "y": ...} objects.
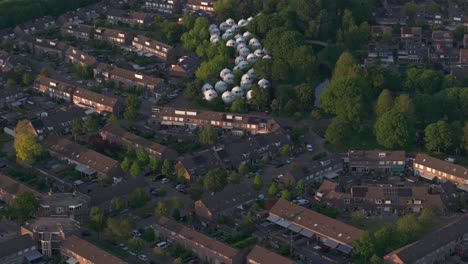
[
  {"x": 406, "y": 192},
  {"x": 359, "y": 191}
]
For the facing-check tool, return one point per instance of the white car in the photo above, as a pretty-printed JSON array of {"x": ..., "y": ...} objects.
[
  {"x": 132, "y": 253},
  {"x": 162, "y": 244},
  {"x": 165, "y": 180},
  {"x": 123, "y": 246},
  {"x": 180, "y": 186},
  {"x": 143, "y": 257},
  {"x": 302, "y": 201},
  {"x": 136, "y": 233},
  {"x": 309, "y": 147}
]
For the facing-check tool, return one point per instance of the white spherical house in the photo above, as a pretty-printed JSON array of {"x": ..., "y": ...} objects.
[
  {"x": 250, "y": 19},
  {"x": 237, "y": 91},
  {"x": 242, "y": 23},
  {"x": 224, "y": 72},
  {"x": 241, "y": 40},
  {"x": 227, "y": 97},
  {"x": 237, "y": 36},
  {"x": 236, "y": 68},
  {"x": 231, "y": 43},
  {"x": 212, "y": 26},
  {"x": 240, "y": 46},
  {"x": 246, "y": 77},
  {"x": 246, "y": 85},
  {"x": 254, "y": 40},
  {"x": 247, "y": 35},
  {"x": 244, "y": 52},
  {"x": 228, "y": 78},
  {"x": 249, "y": 95},
  {"x": 230, "y": 22},
  {"x": 238, "y": 60},
  {"x": 243, "y": 65},
  {"x": 215, "y": 31},
  {"x": 259, "y": 53},
  {"x": 252, "y": 58},
  {"x": 230, "y": 31},
  {"x": 207, "y": 87},
  {"x": 210, "y": 95},
  {"x": 235, "y": 28},
  {"x": 267, "y": 57},
  {"x": 214, "y": 38},
  {"x": 256, "y": 45},
  {"x": 221, "y": 86},
  {"x": 252, "y": 74},
  {"x": 263, "y": 83},
  {"x": 226, "y": 36},
  {"x": 224, "y": 26}
]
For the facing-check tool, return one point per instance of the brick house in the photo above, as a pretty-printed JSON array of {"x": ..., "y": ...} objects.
[
  {"x": 204, "y": 5},
  {"x": 117, "y": 135},
  {"x": 238, "y": 124},
  {"x": 411, "y": 33},
  {"x": 30, "y": 27},
  {"x": 366, "y": 161},
  {"x": 157, "y": 48},
  {"x": 197, "y": 164},
  {"x": 116, "y": 16},
  {"x": 261, "y": 255},
  {"x": 99, "y": 102},
  {"x": 325, "y": 168},
  {"x": 18, "y": 250},
  {"x": 314, "y": 226},
  {"x": 44, "y": 47},
  {"x": 10, "y": 188},
  {"x": 433, "y": 168},
  {"x": 79, "y": 31},
  {"x": 463, "y": 57},
  {"x": 76, "y": 56},
  {"x": 164, "y": 6},
  {"x": 185, "y": 67},
  {"x": 378, "y": 199},
  {"x": 78, "y": 250},
  {"x": 207, "y": 249},
  {"x": 64, "y": 205},
  {"x": 54, "y": 88},
  {"x": 435, "y": 247},
  {"x": 113, "y": 36}
]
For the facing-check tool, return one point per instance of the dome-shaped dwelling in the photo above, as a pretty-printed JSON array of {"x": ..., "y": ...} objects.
[
  {"x": 244, "y": 52},
  {"x": 242, "y": 23},
  {"x": 240, "y": 46},
  {"x": 210, "y": 95},
  {"x": 224, "y": 72},
  {"x": 221, "y": 86},
  {"x": 249, "y": 95},
  {"x": 259, "y": 53},
  {"x": 215, "y": 31},
  {"x": 214, "y": 38},
  {"x": 228, "y": 78},
  {"x": 235, "y": 28},
  {"x": 231, "y": 43},
  {"x": 224, "y": 26},
  {"x": 252, "y": 74},
  {"x": 243, "y": 65},
  {"x": 252, "y": 58},
  {"x": 254, "y": 40},
  {"x": 226, "y": 36},
  {"x": 230, "y": 31},
  {"x": 207, "y": 87},
  {"x": 212, "y": 26},
  {"x": 236, "y": 68},
  {"x": 246, "y": 77},
  {"x": 267, "y": 57},
  {"x": 246, "y": 85},
  {"x": 227, "y": 97},
  {"x": 247, "y": 35},
  {"x": 263, "y": 83},
  {"x": 237, "y": 36},
  {"x": 231, "y": 22},
  {"x": 237, "y": 91},
  {"x": 238, "y": 60},
  {"x": 240, "y": 40},
  {"x": 256, "y": 45},
  {"x": 250, "y": 19}
]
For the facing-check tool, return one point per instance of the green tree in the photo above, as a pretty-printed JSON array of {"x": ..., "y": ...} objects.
[
  {"x": 161, "y": 209},
  {"x": 24, "y": 206},
  {"x": 148, "y": 235},
  {"x": 243, "y": 169},
  {"x": 139, "y": 198},
  {"x": 117, "y": 204},
  {"x": 126, "y": 164},
  {"x": 91, "y": 124},
  {"x": 258, "y": 183},
  {"x": 10, "y": 83},
  {"x": 44, "y": 72},
  {"x": 238, "y": 105},
  {"x": 136, "y": 243},
  {"x": 305, "y": 93},
  {"x": 410, "y": 9},
  {"x": 176, "y": 214},
  {"x": 364, "y": 246},
  {"x": 97, "y": 219},
  {"x": 118, "y": 229},
  {"x": 215, "y": 180},
  {"x": 438, "y": 136},
  {"x": 403, "y": 103},
  {"x": 346, "y": 66},
  {"x": 234, "y": 177},
  {"x": 428, "y": 214},
  {"x": 357, "y": 217},
  {"x": 300, "y": 188},
  {"x": 385, "y": 238},
  {"x": 77, "y": 127},
  {"x": 394, "y": 130},
  {"x": 153, "y": 164},
  {"x": 338, "y": 130},
  {"x": 260, "y": 98},
  {"x": 225, "y": 9},
  {"x": 465, "y": 137},
  {"x": 208, "y": 135},
  {"x": 111, "y": 119},
  {"x": 384, "y": 102},
  {"x": 167, "y": 168},
  {"x": 375, "y": 259},
  {"x": 27, "y": 149},
  {"x": 285, "y": 150},
  {"x": 26, "y": 79},
  {"x": 273, "y": 190},
  {"x": 131, "y": 108},
  {"x": 286, "y": 194},
  {"x": 142, "y": 157},
  {"x": 408, "y": 228}
]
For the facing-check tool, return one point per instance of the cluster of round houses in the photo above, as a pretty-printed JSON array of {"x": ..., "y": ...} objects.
[{"x": 248, "y": 51}]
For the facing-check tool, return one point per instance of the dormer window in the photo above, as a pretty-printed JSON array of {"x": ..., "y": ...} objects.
[{"x": 382, "y": 155}]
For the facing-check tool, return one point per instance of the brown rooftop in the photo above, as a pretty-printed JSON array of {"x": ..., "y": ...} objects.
[
  {"x": 315, "y": 222},
  {"x": 262, "y": 255},
  {"x": 149, "y": 42},
  {"x": 89, "y": 251},
  {"x": 198, "y": 238},
  {"x": 59, "y": 85},
  {"x": 362, "y": 156},
  {"x": 13, "y": 186},
  {"x": 442, "y": 165},
  {"x": 95, "y": 97},
  {"x": 128, "y": 74}
]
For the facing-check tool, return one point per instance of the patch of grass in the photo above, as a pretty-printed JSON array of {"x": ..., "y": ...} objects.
[{"x": 357, "y": 140}]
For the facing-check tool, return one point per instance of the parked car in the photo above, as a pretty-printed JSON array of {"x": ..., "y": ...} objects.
[
  {"x": 301, "y": 202},
  {"x": 123, "y": 246},
  {"x": 165, "y": 180},
  {"x": 180, "y": 186},
  {"x": 132, "y": 253},
  {"x": 309, "y": 147},
  {"x": 136, "y": 233},
  {"x": 162, "y": 244},
  {"x": 143, "y": 257}
]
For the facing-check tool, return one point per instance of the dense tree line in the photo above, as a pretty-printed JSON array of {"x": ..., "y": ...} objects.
[{"x": 25, "y": 10}]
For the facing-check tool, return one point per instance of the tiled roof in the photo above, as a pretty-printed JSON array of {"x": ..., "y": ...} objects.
[
  {"x": 89, "y": 251},
  {"x": 13, "y": 186},
  {"x": 262, "y": 255},
  {"x": 442, "y": 165},
  {"x": 15, "y": 245},
  {"x": 95, "y": 97}
]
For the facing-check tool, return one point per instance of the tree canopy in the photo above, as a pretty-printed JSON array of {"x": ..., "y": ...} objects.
[{"x": 394, "y": 130}]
